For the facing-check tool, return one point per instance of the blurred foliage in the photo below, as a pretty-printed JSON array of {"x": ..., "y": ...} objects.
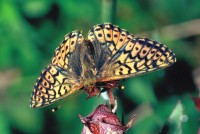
[
  {"x": 31, "y": 30},
  {"x": 176, "y": 119}
]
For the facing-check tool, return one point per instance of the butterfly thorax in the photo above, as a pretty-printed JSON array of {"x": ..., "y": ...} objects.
[
  {"x": 92, "y": 90},
  {"x": 97, "y": 88}
]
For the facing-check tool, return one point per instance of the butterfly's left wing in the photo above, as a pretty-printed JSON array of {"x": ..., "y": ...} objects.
[
  {"x": 62, "y": 76},
  {"x": 119, "y": 54}
]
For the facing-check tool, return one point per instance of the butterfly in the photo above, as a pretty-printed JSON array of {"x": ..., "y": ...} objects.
[{"x": 108, "y": 55}]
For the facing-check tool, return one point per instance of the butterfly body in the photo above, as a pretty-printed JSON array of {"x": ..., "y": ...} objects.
[{"x": 109, "y": 54}]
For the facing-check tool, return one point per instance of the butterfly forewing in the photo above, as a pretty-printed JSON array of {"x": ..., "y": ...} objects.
[
  {"x": 58, "y": 80},
  {"x": 64, "y": 51},
  {"x": 130, "y": 55}
]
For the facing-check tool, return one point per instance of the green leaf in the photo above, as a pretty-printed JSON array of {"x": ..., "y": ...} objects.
[{"x": 140, "y": 90}]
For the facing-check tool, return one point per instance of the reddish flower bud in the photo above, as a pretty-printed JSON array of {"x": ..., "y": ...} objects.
[{"x": 103, "y": 121}]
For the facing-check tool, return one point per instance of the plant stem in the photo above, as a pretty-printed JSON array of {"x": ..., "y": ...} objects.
[{"x": 108, "y": 10}]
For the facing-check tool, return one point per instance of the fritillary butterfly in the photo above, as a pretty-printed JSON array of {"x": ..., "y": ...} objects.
[{"x": 109, "y": 54}]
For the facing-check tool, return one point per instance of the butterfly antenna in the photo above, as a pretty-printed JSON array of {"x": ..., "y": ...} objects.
[
  {"x": 58, "y": 107},
  {"x": 69, "y": 98}
]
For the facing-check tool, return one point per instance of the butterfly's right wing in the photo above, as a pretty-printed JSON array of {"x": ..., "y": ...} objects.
[
  {"x": 59, "y": 79},
  {"x": 119, "y": 54}
]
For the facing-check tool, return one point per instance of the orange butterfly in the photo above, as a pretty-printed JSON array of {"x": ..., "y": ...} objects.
[{"x": 109, "y": 54}]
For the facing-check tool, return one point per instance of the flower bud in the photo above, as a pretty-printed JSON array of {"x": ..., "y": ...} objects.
[{"x": 103, "y": 121}]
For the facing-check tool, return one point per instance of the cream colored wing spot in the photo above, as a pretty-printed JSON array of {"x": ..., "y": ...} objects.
[
  {"x": 108, "y": 32},
  {"x": 121, "y": 40},
  {"x": 91, "y": 36},
  {"x": 137, "y": 47},
  {"x": 116, "y": 34},
  {"x": 98, "y": 31}
]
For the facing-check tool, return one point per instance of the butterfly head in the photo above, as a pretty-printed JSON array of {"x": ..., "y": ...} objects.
[{"x": 92, "y": 91}]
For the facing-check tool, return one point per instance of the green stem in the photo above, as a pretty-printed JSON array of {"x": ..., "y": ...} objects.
[{"x": 108, "y": 10}]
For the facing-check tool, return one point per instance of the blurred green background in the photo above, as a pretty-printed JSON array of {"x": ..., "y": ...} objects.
[{"x": 31, "y": 30}]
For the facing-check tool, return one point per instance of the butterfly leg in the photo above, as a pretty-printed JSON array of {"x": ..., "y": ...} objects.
[
  {"x": 110, "y": 88},
  {"x": 111, "y": 98}
]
